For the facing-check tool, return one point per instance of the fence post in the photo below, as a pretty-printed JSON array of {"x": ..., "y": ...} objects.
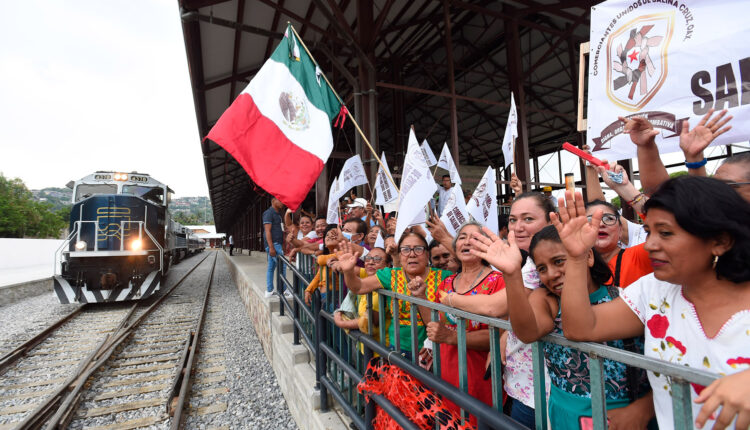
[
  {"x": 598, "y": 399},
  {"x": 280, "y": 284},
  {"x": 540, "y": 392},
  {"x": 296, "y": 312},
  {"x": 320, "y": 356}
]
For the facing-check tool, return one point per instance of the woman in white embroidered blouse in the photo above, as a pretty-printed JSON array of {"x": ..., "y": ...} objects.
[{"x": 694, "y": 309}]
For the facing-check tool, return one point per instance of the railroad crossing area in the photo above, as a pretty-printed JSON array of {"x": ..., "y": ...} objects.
[{"x": 209, "y": 351}]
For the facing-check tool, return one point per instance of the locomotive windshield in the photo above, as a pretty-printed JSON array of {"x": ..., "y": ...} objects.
[
  {"x": 85, "y": 190},
  {"x": 154, "y": 194}
]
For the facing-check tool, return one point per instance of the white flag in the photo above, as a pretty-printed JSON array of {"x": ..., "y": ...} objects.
[
  {"x": 446, "y": 162},
  {"x": 417, "y": 188},
  {"x": 454, "y": 213},
  {"x": 352, "y": 174},
  {"x": 385, "y": 189},
  {"x": 483, "y": 203},
  {"x": 429, "y": 156},
  {"x": 379, "y": 242},
  {"x": 332, "y": 217},
  {"x": 511, "y": 133}
]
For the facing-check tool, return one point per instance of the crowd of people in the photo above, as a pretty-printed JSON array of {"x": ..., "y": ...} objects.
[{"x": 674, "y": 286}]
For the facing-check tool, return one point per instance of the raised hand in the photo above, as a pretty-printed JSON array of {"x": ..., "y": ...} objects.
[
  {"x": 437, "y": 228},
  {"x": 610, "y": 183},
  {"x": 515, "y": 184},
  {"x": 577, "y": 233},
  {"x": 377, "y": 216},
  {"x": 693, "y": 142},
  {"x": 368, "y": 208},
  {"x": 641, "y": 131},
  {"x": 346, "y": 256},
  {"x": 417, "y": 287},
  {"x": 506, "y": 257}
]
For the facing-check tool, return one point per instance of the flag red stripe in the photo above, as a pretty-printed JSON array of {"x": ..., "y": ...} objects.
[{"x": 273, "y": 162}]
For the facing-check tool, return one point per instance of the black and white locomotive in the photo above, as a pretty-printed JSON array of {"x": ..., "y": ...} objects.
[{"x": 122, "y": 239}]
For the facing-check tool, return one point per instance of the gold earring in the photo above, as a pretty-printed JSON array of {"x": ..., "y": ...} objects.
[{"x": 716, "y": 260}]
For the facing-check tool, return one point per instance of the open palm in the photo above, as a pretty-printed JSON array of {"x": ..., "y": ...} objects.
[
  {"x": 577, "y": 233},
  {"x": 346, "y": 256},
  {"x": 506, "y": 257},
  {"x": 693, "y": 142}
]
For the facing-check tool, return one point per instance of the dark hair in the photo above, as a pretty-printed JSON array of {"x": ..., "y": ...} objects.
[
  {"x": 388, "y": 258},
  {"x": 433, "y": 244},
  {"x": 389, "y": 235},
  {"x": 741, "y": 158},
  {"x": 708, "y": 208},
  {"x": 305, "y": 216},
  {"x": 502, "y": 221},
  {"x": 329, "y": 227},
  {"x": 600, "y": 271},
  {"x": 320, "y": 217},
  {"x": 608, "y": 205},
  {"x": 446, "y": 176},
  {"x": 409, "y": 232},
  {"x": 541, "y": 200},
  {"x": 361, "y": 225}
]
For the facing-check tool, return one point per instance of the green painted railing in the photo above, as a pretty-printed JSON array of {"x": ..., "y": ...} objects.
[{"x": 344, "y": 363}]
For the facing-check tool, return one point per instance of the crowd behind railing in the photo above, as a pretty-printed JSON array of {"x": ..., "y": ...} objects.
[{"x": 570, "y": 316}]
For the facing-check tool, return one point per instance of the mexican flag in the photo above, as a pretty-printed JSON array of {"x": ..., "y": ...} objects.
[{"x": 279, "y": 127}]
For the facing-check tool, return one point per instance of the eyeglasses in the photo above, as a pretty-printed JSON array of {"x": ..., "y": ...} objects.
[
  {"x": 607, "y": 219},
  {"x": 418, "y": 250},
  {"x": 371, "y": 258},
  {"x": 736, "y": 184}
]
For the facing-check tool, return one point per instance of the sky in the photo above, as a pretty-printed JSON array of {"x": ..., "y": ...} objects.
[{"x": 97, "y": 85}]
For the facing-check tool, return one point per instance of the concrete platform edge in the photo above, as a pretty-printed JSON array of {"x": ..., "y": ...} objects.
[
  {"x": 10, "y": 294},
  {"x": 293, "y": 365}
]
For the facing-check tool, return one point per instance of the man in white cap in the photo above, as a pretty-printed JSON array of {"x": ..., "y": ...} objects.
[{"x": 357, "y": 209}]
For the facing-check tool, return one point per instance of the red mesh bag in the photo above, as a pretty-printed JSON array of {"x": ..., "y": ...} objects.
[{"x": 419, "y": 404}]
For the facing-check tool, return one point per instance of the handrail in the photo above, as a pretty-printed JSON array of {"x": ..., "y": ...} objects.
[{"x": 681, "y": 376}]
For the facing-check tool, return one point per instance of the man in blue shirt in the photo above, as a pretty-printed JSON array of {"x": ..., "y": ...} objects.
[{"x": 274, "y": 237}]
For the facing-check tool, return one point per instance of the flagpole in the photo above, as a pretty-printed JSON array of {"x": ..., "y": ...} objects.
[{"x": 361, "y": 133}]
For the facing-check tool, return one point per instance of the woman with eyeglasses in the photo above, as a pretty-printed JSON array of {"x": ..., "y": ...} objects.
[
  {"x": 529, "y": 213},
  {"x": 694, "y": 310},
  {"x": 475, "y": 279},
  {"x": 413, "y": 278}
]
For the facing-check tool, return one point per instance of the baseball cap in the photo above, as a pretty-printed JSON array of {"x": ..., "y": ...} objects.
[
  {"x": 359, "y": 202},
  {"x": 547, "y": 188}
]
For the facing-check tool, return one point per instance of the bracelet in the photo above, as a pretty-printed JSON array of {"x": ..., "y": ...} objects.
[
  {"x": 636, "y": 199},
  {"x": 697, "y": 164}
]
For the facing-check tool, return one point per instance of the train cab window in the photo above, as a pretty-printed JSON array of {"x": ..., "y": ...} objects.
[
  {"x": 84, "y": 191},
  {"x": 154, "y": 194}
]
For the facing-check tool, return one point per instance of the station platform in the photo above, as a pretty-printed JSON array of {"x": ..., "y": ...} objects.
[{"x": 293, "y": 365}]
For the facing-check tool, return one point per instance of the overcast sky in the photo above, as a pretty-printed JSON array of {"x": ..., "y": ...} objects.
[{"x": 96, "y": 85}]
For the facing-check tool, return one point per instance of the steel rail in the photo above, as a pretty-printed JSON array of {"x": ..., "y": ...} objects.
[
  {"x": 63, "y": 402},
  {"x": 182, "y": 383},
  {"x": 20, "y": 351}
]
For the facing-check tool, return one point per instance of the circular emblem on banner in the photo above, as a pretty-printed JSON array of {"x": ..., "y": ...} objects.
[{"x": 294, "y": 111}]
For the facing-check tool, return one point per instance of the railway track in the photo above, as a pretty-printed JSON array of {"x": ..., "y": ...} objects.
[{"x": 97, "y": 367}]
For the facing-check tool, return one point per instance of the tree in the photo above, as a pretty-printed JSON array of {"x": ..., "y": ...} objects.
[{"x": 22, "y": 216}]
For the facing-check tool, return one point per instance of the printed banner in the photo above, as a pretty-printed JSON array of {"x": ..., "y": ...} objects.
[
  {"x": 454, "y": 213},
  {"x": 417, "y": 188},
  {"x": 352, "y": 174},
  {"x": 446, "y": 162},
  {"x": 667, "y": 61},
  {"x": 385, "y": 189},
  {"x": 482, "y": 205},
  {"x": 332, "y": 216},
  {"x": 429, "y": 156},
  {"x": 511, "y": 133}
]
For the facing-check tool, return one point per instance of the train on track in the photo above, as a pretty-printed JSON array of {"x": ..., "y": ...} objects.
[{"x": 122, "y": 239}]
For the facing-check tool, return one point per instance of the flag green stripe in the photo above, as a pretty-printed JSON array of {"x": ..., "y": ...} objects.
[{"x": 320, "y": 95}]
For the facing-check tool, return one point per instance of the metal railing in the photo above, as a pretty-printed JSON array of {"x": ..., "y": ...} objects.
[{"x": 339, "y": 359}]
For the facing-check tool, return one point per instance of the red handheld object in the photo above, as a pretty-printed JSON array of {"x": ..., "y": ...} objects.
[{"x": 588, "y": 157}]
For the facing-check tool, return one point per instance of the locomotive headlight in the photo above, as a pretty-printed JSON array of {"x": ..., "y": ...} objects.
[
  {"x": 80, "y": 245},
  {"x": 136, "y": 245}
]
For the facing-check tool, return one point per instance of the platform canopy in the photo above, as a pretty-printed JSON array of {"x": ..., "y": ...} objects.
[{"x": 447, "y": 67}]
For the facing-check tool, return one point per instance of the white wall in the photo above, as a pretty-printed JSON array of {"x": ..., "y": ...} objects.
[{"x": 23, "y": 260}]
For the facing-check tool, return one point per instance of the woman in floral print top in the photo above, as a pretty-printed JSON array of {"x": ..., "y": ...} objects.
[
  {"x": 535, "y": 316},
  {"x": 476, "y": 278},
  {"x": 694, "y": 309}
]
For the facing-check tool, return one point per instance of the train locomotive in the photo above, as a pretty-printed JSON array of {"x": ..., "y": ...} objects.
[{"x": 122, "y": 239}]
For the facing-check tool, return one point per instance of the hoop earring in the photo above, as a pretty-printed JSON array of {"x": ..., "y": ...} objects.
[{"x": 716, "y": 260}]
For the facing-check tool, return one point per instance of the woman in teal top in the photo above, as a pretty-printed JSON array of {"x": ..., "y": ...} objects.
[
  {"x": 536, "y": 314},
  {"x": 413, "y": 278}
]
